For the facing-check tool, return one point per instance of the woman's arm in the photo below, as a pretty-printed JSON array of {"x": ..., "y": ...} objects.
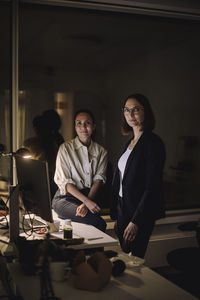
[
  {"x": 82, "y": 209},
  {"x": 152, "y": 198},
  {"x": 130, "y": 232},
  {"x": 100, "y": 172},
  {"x": 155, "y": 159},
  {"x": 63, "y": 174},
  {"x": 91, "y": 205},
  {"x": 94, "y": 189}
]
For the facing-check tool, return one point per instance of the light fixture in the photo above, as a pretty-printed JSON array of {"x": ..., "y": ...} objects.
[{"x": 23, "y": 152}]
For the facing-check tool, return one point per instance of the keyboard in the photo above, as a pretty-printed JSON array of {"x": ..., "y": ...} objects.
[{"x": 35, "y": 223}]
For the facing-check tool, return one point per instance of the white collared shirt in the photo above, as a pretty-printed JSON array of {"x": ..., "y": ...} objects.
[{"x": 79, "y": 165}]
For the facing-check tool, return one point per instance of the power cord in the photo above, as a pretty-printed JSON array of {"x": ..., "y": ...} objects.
[
  {"x": 29, "y": 232},
  {"x": 3, "y": 213}
]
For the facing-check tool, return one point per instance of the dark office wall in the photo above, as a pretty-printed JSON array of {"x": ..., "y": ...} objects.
[
  {"x": 99, "y": 58},
  {"x": 170, "y": 78}
]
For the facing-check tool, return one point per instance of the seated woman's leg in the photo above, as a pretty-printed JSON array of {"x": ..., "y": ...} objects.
[
  {"x": 67, "y": 210},
  {"x": 92, "y": 219}
]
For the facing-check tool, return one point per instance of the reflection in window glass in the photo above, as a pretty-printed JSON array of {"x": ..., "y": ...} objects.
[
  {"x": 4, "y": 100},
  {"x": 72, "y": 58}
]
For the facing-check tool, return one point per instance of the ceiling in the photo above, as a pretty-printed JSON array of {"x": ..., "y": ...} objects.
[{"x": 75, "y": 39}]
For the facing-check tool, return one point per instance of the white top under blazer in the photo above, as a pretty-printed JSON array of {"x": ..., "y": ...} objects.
[{"x": 122, "y": 165}]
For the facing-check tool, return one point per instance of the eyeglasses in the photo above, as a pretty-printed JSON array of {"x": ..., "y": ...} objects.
[{"x": 135, "y": 110}]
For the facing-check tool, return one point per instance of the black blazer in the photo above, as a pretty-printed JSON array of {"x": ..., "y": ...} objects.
[{"x": 142, "y": 183}]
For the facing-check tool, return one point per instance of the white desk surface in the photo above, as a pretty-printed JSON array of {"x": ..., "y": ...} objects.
[
  {"x": 98, "y": 238},
  {"x": 79, "y": 230},
  {"x": 137, "y": 283}
]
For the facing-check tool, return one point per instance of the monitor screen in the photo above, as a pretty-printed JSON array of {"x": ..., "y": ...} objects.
[{"x": 33, "y": 180}]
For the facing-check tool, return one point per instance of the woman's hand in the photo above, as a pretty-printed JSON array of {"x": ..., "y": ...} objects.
[
  {"x": 130, "y": 232},
  {"x": 92, "y": 206},
  {"x": 81, "y": 210}
]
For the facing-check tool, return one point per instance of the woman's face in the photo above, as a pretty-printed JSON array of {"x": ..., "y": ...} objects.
[
  {"x": 133, "y": 113},
  {"x": 84, "y": 127}
]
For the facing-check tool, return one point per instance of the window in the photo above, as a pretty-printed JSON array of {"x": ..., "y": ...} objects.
[
  {"x": 73, "y": 58},
  {"x": 4, "y": 99}
]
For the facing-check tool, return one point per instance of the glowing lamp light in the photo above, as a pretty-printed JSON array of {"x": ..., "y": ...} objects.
[{"x": 23, "y": 152}]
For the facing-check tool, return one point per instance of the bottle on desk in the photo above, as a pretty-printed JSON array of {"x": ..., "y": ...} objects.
[{"x": 67, "y": 230}]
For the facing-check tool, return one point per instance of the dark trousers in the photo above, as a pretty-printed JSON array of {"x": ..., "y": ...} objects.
[
  {"x": 139, "y": 245},
  {"x": 65, "y": 206}
]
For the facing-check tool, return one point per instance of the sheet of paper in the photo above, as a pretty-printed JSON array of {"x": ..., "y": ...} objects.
[
  {"x": 86, "y": 231},
  {"x": 82, "y": 230}
]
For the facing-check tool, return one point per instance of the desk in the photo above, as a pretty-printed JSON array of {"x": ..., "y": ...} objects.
[
  {"x": 93, "y": 237},
  {"x": 79, "y": 230},
  {"x": 139, "y": 283}
]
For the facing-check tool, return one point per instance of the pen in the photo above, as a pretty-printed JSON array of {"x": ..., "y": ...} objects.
[{"x": 97, "y": 238}]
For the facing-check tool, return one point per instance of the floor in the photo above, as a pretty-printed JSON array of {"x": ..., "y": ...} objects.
[{"x": 189, "y": 282}]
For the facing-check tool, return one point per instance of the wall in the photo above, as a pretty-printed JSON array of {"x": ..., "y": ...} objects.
[
  {"x": 103, "y": 63},
  {"x": 170, "y": 78}
]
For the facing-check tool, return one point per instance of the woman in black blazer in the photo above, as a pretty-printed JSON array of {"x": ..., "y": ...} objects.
[{"x": 138, "y": 180}]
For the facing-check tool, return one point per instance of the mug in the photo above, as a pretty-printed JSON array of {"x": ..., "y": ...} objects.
[
  {"x": 55, "y": 226},
  {"x": 59, "y": 271}
]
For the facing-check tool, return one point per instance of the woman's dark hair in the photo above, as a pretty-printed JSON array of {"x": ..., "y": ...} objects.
[
  {"x": 87, "y": 111},
  {"x": 37, "y": 124},
  {"x": 149, "y": 119},
  {"x": 52, "y": 119},
  {"x": 48, "y": 123}
]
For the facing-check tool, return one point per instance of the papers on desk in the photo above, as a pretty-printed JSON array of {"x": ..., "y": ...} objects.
[
  {"x": 80, "y": 230},
  {"x": 87, "y": 231},
  {"x": 93, "y": 237}
]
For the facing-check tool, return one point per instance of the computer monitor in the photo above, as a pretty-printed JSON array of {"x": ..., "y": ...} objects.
[{"x": 33, "y": 182}]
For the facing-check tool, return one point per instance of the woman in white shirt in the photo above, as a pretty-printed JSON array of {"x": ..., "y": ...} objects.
[{"x": 80, "y": 171}]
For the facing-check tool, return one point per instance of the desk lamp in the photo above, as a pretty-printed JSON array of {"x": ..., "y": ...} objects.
[{"x": 23, "y": 152}]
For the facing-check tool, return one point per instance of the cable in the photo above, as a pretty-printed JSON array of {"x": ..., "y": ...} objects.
[
  {"x": 2, "y": 241},
  {"x": 32, "y": 229},
  {"x": 23, "y": 223},
  {"x": 8, "y": 198},
  {"x": 4, "y": 216}
]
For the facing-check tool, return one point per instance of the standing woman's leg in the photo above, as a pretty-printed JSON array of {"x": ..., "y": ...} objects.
[
  {"x": 120, "y": 226},
  {"x": 139, "y": 245}
]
